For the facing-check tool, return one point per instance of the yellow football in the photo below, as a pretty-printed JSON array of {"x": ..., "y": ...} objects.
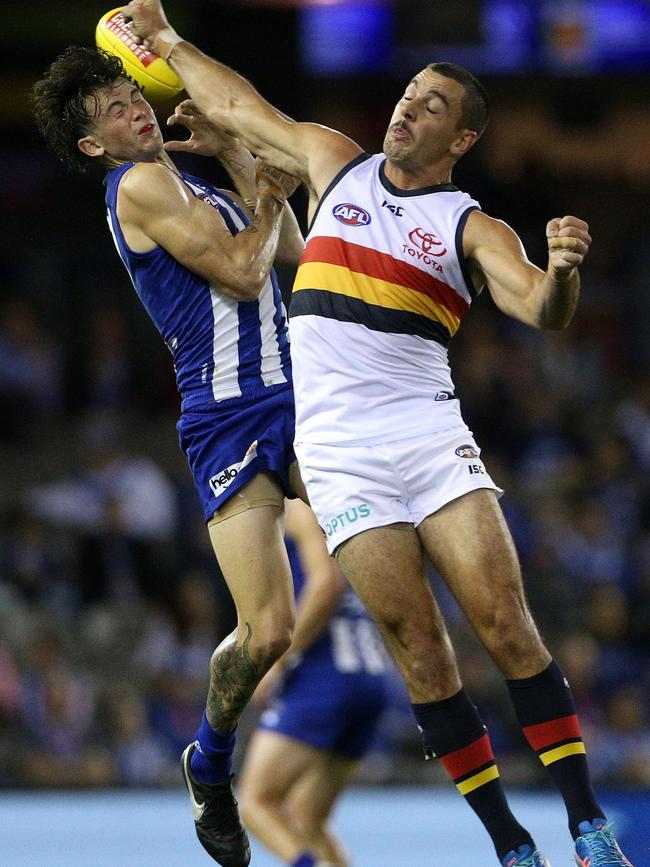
[{"x": 155, "y": 78}]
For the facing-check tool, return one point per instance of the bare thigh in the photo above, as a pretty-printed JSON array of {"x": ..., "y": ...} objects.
[
  {"x": 385, "y": 566},
  {"x": 293, "y": 774},
  {"x": 250, "y": 548},
  {"x": 470, "y": 545},
  {"x": 317, "y": 788}
]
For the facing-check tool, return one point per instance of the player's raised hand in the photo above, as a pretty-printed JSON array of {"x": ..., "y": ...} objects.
[
  {"x": 147, "y": 19},
  {"x": 568, "y": 243},
  {"x": 278, "y": 183},
  {"x": 205, "y": 138}
]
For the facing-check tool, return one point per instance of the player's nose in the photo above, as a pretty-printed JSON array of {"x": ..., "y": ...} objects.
[
  {"x": 408, "y": 110},
  {"x": 138, "y": 110}
]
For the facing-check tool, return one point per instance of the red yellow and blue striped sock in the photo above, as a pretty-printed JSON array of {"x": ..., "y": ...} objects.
[
  {"x": 546, "y": 712},
  {"x": 453, "y": 732}
]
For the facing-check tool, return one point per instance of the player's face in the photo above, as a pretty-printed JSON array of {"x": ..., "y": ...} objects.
[
  {"x": 425, "y": 124},
  {"x": 125, "y": 128}
]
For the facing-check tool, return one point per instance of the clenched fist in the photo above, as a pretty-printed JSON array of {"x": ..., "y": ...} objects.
[
  {"x": 147, "y": 19},
  {"x": 568, "y": 243}
]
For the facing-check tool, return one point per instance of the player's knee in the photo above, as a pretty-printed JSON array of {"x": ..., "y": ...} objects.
[
  {"x": 276, "y": 645},
  {"x": 511, "y": 635},
  {"x": 253, "y": 803},
  {"x": 270, "y": 643},
  {"x": 258, "y": 645}
]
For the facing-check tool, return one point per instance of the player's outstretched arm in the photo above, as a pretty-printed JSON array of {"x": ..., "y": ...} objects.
[
  {"x": 544, "y": 299},
  {"x": 207, "y": 139},
  {"x": 324, "y": 582},
  {"x": 155, "y": 207},
  {"x": 320, "y": 596},
  {"x": 308, "y": 151}
]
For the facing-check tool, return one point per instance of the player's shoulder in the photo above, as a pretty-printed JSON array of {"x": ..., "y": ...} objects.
[
  {"x": 330, "y": 152},
  {"x": 146, "y": 181},
  {"x": 481, "y": 228}
]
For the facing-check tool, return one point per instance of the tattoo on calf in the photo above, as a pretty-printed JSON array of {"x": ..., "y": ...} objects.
[{"x": 234, "y": 677}]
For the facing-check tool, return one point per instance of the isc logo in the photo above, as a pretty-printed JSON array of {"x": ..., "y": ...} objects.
[{"x": 351, "y": 215}]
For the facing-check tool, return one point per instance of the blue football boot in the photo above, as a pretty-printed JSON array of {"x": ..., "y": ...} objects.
[
  {"x": 525, "y": 857},
  {"x": 596, "y": 846}
]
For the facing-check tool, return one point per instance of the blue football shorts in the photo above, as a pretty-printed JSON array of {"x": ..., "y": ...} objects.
[
  {"x": 328, "y": 710},
  {"x": 229, "y": 443}
]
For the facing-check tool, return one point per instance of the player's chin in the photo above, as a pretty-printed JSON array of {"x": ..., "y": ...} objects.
[
  {"x": 152, "y": 140},
  {"x": 398, "y": 154}
]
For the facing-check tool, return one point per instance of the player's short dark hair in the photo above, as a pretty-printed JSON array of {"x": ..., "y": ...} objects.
[
  {"x": 60, "y": 99},
  {"x": 475, "y": 105}
]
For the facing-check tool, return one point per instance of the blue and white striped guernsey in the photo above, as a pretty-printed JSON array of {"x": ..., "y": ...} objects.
[{"x": 222, "y": 348}]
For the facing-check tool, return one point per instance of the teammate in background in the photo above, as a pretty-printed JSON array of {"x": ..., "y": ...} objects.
[
  {"x": 395, "y": 256},
  {"x": 201, "y": 264},
  {"x": 333, "y": 690}
]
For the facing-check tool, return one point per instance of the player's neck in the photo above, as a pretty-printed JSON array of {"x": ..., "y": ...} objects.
[
  {"x": 414, "y": 178},
  {"x": 162, "y": 157},
  {"x": 165, "y": 160}
]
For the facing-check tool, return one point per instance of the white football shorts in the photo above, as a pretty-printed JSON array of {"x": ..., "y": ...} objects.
[{"x": 356, "y": 488}]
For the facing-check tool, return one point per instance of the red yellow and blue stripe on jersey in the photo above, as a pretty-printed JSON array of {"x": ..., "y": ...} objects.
[{"x": 352, "y": 283}]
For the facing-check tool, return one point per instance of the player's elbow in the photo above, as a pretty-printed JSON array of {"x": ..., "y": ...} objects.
[
  {"x": 249, "y": 284},
  {"x": 252, "y": 282},
  {"x": 244, "y": 284}
]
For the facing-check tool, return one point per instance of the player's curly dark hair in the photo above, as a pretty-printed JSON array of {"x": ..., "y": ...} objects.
[
  {"x": 475, "y": 105},
  {"x": 60, "y": 100}
]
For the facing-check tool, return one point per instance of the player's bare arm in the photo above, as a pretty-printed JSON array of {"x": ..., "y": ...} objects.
[
  {"x": 311, "y": 152},
  {"x": 155, "y": 207},
  {"x": 321, "y": 593},
  {"x": 324, "y": 582},
  {"x": 544, "y": 299},
  {"x": 207, "y": 139}
]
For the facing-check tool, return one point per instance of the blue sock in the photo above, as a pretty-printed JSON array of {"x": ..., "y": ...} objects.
[
  {"x": 210, "y": 762},
  {"x": 304, "y": 860}
]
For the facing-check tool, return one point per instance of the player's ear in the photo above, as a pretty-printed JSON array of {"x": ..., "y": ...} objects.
[
  {"x": 90, "y": 146},
  {"x": 464, "y": 141}
]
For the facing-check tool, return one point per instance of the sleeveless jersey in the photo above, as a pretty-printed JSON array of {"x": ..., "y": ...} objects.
[
  {"x": 222, "y": 348},
  {"x": 381, "y": 289}
]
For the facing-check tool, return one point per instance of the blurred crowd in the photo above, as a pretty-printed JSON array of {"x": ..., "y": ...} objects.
[
  {"x": 110, "y": 599},
  {"x": 111, "y": 603}
]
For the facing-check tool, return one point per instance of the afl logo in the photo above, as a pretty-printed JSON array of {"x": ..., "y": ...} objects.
[
  {"x": 466, "y": 452},
  {"x": 351, "y": 215},
  {"x": 427, "y": 242}
]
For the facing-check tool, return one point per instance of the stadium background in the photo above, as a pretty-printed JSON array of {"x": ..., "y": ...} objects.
[{"x": 110, "y": 602}]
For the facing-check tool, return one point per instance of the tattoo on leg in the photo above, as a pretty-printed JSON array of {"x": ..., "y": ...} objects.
[{"x": 233, "y": 678}]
